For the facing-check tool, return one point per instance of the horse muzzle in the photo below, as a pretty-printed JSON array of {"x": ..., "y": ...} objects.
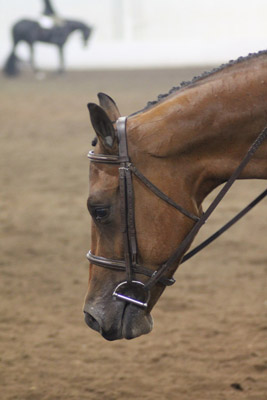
[{"x": 117, "y": 319}]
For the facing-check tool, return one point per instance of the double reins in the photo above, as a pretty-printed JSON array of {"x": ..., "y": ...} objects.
[{"x": 133, "y": 291}]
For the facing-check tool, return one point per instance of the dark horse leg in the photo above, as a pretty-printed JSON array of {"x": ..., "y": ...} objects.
[
  {"x": 11, "y": 66},
  {"x": 32, "y": 57},
  {"x": 61, "y": 60}
]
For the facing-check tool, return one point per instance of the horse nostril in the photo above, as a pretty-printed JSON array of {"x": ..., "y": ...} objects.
[{"x": 91, "y": 322}]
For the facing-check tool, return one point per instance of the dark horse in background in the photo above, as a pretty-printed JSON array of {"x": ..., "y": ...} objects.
[{"x": 31, "y": 31}]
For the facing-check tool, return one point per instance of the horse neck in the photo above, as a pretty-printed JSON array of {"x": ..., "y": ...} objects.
[
  {"x": 208, "y": 127},
  {"x": 76, "y": 25}
]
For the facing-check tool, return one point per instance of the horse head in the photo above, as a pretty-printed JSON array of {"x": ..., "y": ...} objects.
[
  {"x": 113, "y": 317},
  {"x": 86, "y": 32},
  {"x": 149, "y": 175}
]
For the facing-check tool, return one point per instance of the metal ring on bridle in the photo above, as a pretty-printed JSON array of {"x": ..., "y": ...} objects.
[{"x": 137, "y": 289}]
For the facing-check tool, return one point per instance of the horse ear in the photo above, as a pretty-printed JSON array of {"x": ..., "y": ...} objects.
[
  {"x": 109, "y": 106},
  {"x": 102, "y": 125}
]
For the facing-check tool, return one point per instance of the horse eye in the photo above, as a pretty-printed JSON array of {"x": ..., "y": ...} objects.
[{"x": 100, "y": 213}]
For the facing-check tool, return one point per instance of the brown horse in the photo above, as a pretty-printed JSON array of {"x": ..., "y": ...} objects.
[{"x": 186, "y": 143}]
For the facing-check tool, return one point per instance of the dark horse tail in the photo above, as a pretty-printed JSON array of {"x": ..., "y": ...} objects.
[{"x": 11, "y": 66}]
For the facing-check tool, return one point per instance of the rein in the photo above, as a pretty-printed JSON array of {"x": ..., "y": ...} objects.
[{"x": 133, "y": 291}]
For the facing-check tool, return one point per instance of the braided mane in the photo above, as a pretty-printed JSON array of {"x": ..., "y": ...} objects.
[
  {"x": 200, "y": 77},
  {"x": 195, "y": 80}
]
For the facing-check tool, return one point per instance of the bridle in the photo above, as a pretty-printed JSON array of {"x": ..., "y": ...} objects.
[{"x": 134, "y": 291}]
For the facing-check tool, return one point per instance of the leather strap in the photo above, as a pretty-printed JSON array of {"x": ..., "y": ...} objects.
[
  {"x": 160, "y": 194},
  {"x": 119, "y": 265},
  {"x": 127, "y": 202},
  {"x": 188, "y": 239},
  {"x": 225, "y": 227}
]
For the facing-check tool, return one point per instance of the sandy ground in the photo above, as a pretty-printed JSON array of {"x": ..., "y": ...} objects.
[{"x": 210, "y": 335}]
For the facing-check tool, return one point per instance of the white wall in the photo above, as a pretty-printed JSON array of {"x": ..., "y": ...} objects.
[{"x": 136, "y": 33}]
